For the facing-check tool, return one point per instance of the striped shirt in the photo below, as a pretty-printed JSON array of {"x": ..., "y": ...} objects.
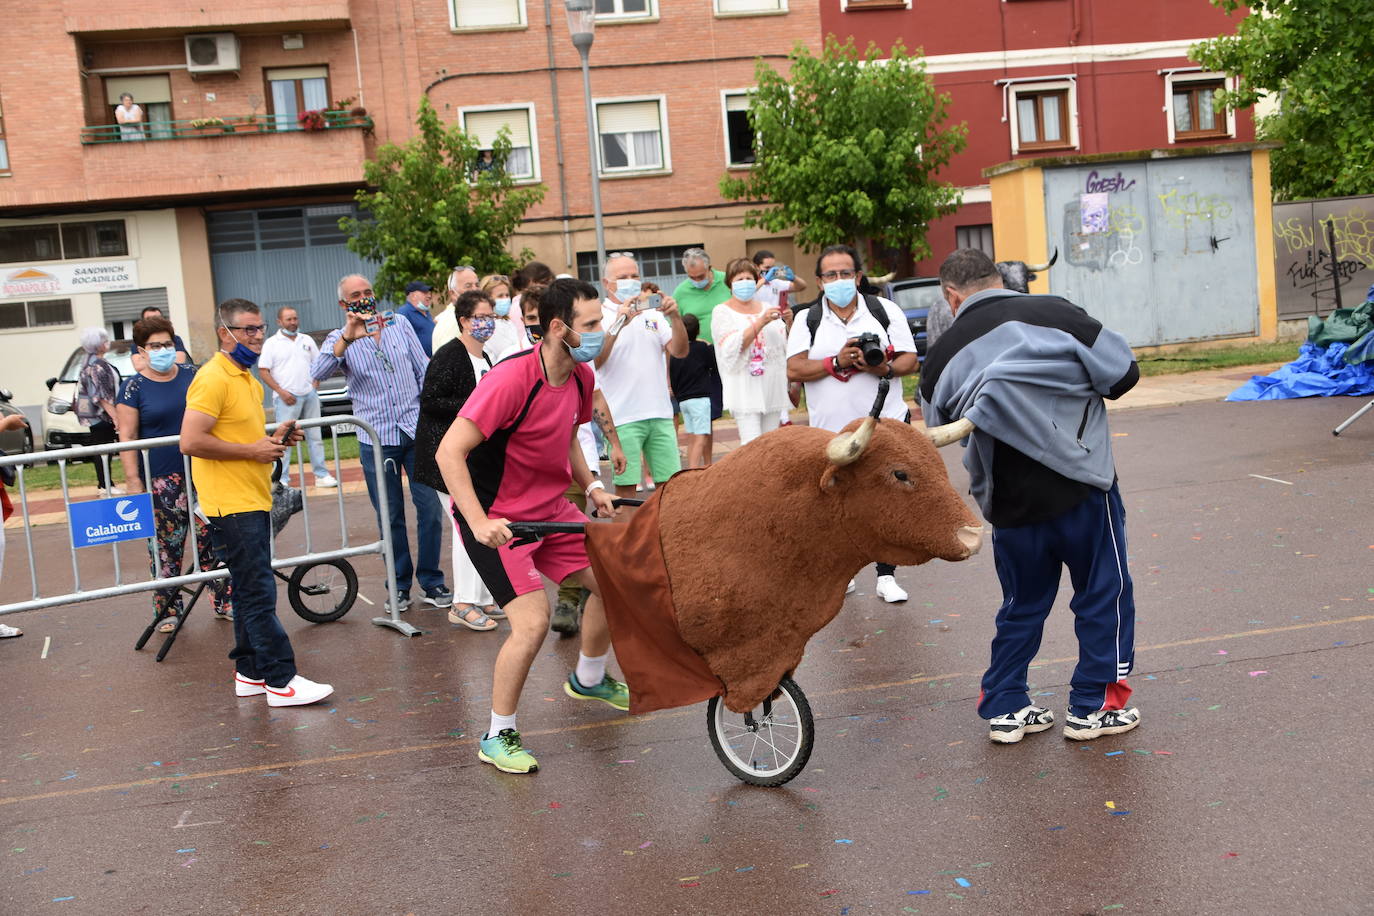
[{"x": 384, "y": 380}]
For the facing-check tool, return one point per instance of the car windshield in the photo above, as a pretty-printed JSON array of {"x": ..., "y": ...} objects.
[
  {"x": 120, "y": 355},
  {"x": 918, "y": 297}
]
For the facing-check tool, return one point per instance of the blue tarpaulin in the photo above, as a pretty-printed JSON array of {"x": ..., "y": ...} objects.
[{"x": 1317, "y": 372}]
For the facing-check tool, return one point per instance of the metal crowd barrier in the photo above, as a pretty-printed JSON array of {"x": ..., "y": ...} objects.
[{"x": 102, "y": 453}]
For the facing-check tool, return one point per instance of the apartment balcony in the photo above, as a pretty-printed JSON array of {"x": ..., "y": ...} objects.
[
  {"x": 217, "y": 156},
  {"x": 113, "y": 18}
]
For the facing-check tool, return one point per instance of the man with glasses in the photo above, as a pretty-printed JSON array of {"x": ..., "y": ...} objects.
[
  {"x": 224, "y": 432},
  {"x": 284, "y": 367},
  {"x": 632, "y": 370},
  {"x": 823, "y": 353},
  {"x": 384, "y": 364},
  {"x": 461, "y": 280},
  {"x": 702, "y": 291}
]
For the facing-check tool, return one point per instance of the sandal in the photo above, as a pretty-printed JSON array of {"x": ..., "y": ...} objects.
[
  {"x": 494, "y": 611},
  {"x": 459, "y": 615},
  {"x": 168, "y": 623}
]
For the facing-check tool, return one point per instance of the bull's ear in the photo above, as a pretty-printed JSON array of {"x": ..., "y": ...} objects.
[{"x": 834, "y": 476}]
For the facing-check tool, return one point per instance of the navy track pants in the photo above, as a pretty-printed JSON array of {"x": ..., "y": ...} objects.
[{"x": 1090, "y": 539}]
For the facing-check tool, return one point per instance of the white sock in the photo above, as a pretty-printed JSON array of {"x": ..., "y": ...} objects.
[
  {"x": 498, "y": 722},
  {"x": 590, "y": 671}
]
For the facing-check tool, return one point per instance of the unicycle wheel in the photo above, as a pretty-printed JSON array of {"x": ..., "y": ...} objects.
[
  {"x": 323, "y": 592},
  {"x": 769, "y": 745}
]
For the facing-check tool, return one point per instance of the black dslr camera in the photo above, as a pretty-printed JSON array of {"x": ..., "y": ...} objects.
[{"x": 871, "y": 345}]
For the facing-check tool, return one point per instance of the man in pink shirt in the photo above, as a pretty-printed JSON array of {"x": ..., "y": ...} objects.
[{"x": 511, "y": 454}]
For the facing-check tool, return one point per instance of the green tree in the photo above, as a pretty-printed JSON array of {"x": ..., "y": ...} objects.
[
  {"x": 1317, "y": 58},
  {"x": 847, "y": 149},
  {"x": 430, "y": 208}
]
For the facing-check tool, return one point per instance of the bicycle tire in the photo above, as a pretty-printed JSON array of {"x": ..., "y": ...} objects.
[
  {"x": 294, "y": 591},
  {"x": 746, "y": 763}
]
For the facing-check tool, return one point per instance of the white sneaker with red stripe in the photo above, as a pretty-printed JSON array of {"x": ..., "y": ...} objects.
[
  {"x": 247, "y": 687},
  {"x": 298, "y": 691}
]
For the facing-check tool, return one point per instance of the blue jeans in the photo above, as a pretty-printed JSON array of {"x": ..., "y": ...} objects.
[
  {"x": 307, "y": 407},
  {"x": 429, "y": 519},
  {"x": 261, "y": 647}
]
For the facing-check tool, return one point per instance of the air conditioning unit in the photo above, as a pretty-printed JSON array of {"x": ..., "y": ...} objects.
[{"x": 213, "y": 52}]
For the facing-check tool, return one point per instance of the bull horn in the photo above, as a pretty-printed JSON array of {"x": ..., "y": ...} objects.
[
  {"x": 1036, "y": 268},
  {"x": 847, "y": 447},
  {"x": 950, "y": 432}
]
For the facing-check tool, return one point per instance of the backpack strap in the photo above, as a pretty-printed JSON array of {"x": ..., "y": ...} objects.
[{"x": 813, "y": 314}]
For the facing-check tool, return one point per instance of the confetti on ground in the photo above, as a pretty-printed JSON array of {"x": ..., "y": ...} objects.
[
  {"x": 180, "y": 851},
  {"x": 1257, "y": 673},
  {"x": 916, "y": 893},
  {"x": 646, "y": 845},
  {"x": 1120, "y": 813},
  {"x": 846, "y": 842},
  {"x": 963, "y": 882},
  {"x": 745, "y": 868},
  {"x": 827, "y": 893},
  {"x": 1231, "y": 855},
  {"x": 1113, "y": 753},
  {"x": 1111, "y": 804}
]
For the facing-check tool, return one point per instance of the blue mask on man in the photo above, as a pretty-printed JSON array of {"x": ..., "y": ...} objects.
[
  {"x": 241, "y": 354},
  {"x": 703, "y": 282},
  {"x": 589, "y": 348},
  {"x": 841, "y": 292}
]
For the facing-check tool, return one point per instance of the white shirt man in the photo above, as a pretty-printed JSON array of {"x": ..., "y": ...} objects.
[
  {"x": 462, "y": 279},
  {"x": 632, "y": 371},
  {"x": 840, "y": 385},
  {"x": 285, "y": 368}
]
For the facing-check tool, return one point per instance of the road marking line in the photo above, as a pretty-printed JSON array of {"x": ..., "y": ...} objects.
[
  {"x": 47, "y": 642},
  {"x": 367, "y": 599},
  {"x": 651, "y": 717},
  {"x": 1286, "y": 483}
]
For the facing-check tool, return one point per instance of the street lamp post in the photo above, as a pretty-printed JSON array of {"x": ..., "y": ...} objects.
[{"x": 582, "y": 25}]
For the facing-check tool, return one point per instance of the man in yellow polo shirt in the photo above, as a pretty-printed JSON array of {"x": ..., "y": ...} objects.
[{"x": 231, "y": 464}]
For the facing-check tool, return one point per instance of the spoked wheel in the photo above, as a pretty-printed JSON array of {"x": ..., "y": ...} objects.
[
  {"x": 769, "y": 745},
  {"x": 322, "y": 592}
]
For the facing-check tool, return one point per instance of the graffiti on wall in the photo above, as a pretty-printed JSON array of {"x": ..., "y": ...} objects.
[
  {"x": 1304, "y": 270},
  {"x": 1116, "y": 246},
  {"x": 1194, "y": 217}
]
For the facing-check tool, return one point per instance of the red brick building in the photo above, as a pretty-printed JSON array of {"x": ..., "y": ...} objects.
[
  {"x": 219, "y": 191},
  {"x": 1045, "y": 78}
]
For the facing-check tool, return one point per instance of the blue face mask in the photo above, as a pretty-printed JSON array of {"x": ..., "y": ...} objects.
[
  {"x": 703, "y": 283},
  {"x": 626, "y": 290},
  {"x": 289, "y": 333},
  {"x": 483, "y": 328},
  {"x": 241, "y": 354},
  {"x": 744, "y": 290},
  {"x": 162, "y": 360},
  {"x": 841, "y": 292},
  {"x": 589, "y": 348},
  {"x": 502, "y": 307}
]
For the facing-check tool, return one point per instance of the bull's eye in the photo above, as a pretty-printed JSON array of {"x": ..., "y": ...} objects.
[{"x": 900, "y": 475}]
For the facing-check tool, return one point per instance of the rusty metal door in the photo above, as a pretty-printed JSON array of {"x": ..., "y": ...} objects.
[{"x": 1162, "y": 251}]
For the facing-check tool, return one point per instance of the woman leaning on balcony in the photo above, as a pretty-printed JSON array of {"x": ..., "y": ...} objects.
[{"x": 130, "y": 118}]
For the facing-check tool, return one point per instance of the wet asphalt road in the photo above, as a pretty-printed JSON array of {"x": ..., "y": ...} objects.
[{"x": 129, "y": 786}]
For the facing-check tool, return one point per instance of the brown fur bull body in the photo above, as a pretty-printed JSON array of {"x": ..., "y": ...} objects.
[{"x": 760, "y": 547}]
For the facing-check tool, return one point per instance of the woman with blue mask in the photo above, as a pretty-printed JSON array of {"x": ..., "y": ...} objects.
[
  {"x": 508, "y": 329},
  {"x": 452, "y": 375},
  {"x": 151, "y": 404},
  {"x": 751, "y": 353}
]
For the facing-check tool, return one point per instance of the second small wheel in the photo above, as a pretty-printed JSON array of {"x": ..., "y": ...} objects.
[
  {"x": 766, "y": 746},
  {"x": 323, "y": 592}
]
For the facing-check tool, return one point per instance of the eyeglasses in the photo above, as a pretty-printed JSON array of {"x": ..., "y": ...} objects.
[
  {"x": 832, "y": 275},
  {"x": 160, "y": 345},
  {"x": 252, "y": 330}
]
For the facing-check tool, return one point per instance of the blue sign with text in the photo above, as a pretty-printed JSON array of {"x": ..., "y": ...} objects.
[{"x": 104, "y": 521}]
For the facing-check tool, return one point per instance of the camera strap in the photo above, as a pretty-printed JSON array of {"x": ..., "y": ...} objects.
[{"x": 814, "y": 313}]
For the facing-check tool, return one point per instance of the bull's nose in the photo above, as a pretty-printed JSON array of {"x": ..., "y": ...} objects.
[{"x": 971, "y": 536}]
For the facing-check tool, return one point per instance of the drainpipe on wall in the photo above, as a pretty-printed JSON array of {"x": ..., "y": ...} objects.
[{"x": 568, "y": 257}]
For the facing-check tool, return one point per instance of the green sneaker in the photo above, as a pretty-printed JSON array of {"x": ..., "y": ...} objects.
[
  {"x": 506, "y": 753},
  {"x": 609, "y": 691}
]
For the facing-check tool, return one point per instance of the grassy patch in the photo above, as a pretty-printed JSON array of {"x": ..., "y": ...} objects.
[{"x": 1218, "y": 358}]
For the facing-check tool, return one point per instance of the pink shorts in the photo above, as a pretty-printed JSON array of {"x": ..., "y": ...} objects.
[{"x": 509, "y": 572}]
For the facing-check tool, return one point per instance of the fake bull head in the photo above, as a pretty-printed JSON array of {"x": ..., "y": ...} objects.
[{"x": 1019, "y": 275}]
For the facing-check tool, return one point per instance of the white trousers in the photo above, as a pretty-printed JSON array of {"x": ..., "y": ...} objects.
[
  {"x": 754, "y": 423},
  {"x": 467, "y": 585}
]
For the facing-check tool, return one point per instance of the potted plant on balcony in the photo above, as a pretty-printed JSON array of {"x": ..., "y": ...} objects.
[
  {"x": 313, "y": 119},
  {"x": 207, "y": 126}
]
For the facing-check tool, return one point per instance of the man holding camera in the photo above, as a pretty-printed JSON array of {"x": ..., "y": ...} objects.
[
  {"x": 839, "y": 347},
  {"x": 385, "y": 365}
]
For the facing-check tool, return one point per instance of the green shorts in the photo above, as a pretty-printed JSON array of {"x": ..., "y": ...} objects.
[{"x": 656, "y": 440}]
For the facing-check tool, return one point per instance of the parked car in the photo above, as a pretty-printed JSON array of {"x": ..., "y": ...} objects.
[
  {"x": 15, "y": 441},
  {"x": 61, "y": 429},
  {"x": 915, "y": 296}
]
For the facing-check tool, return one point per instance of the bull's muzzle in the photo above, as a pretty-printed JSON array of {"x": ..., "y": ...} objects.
[{"x": 971, "y": 537}]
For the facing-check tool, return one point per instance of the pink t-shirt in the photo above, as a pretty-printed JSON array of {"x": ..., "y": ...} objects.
[{"x": 521, "y": 470}]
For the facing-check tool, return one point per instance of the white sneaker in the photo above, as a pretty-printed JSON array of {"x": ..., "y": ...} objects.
[
  {"x": 247, "y": 687},
  {"x": 890, "y": 591},
  {"x": 325, "y": 480},
  {"x": 298, "y": 691},
  {"x": 114, "y": 491},
  {"x": 7, "y": 631},
  {"x": 849, "y": 589}
]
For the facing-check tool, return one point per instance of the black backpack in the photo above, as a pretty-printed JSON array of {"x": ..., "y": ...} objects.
[{"x": 813, "y": 314}]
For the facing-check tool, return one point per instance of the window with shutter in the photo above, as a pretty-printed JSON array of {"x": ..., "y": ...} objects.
[
  {"x": 488, "y": 14},
  {"x": 734, "y": 7},
  {"x": 485, "y": 125},
  {"x": 739, "y": 134},
  {"x": 632, "y": 135}
]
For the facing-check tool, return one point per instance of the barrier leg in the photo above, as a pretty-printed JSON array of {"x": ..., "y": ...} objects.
[{"x": 388, "y": 555}]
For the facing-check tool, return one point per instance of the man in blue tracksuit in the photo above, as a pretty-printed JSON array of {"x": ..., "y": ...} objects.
[{"x": 1030, "y": 373}]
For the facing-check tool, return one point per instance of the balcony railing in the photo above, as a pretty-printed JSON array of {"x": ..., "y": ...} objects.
[{"x": 306, "y": 122}]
